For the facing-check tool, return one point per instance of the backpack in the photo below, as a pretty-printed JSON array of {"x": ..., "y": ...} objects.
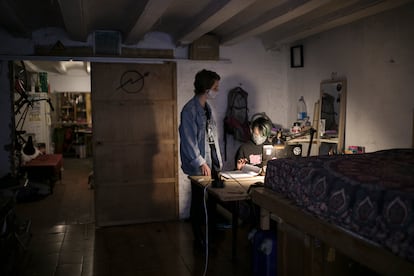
[{"x": 236, "y": 121}]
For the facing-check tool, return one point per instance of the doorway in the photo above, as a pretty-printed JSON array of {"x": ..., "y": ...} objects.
[
  {"x": 134, "y": 140},
  {"x": 52, "y": 103}
]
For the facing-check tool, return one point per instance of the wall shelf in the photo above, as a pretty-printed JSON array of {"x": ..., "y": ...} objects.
[{"x": 74, "y": 109}]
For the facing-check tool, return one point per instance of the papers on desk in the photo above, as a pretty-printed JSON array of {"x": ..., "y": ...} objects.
[
  {"x": 247, "y": 172},
  {"x": 236, "y": 174}
]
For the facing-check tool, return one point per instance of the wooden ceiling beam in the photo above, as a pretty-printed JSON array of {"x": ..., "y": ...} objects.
[
  {"x": 151, "y": 14},
  {"x": 276, "y": 17},
  {"x": 74, "y": 19},
  {"x": 340, "y": 20},
  {"x": 8, "y": 15},
  {"x": 216, "y": 13}
]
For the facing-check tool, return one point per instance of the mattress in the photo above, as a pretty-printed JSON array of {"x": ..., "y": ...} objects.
[{"x": 370, "y": 195}]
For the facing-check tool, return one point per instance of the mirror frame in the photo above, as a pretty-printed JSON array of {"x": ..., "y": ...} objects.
[{"x": 342, "y": 114}]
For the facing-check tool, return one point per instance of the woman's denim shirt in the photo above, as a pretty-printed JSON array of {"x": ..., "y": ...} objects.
[{"x": 194, "y": 150}]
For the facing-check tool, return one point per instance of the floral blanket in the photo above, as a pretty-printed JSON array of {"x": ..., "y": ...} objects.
[{"x": 370, "y": 194}]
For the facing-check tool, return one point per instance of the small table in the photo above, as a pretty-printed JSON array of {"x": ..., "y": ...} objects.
[
  {"x": 47, "y": 166},
  {"x": 234, "y": 191},
  {"x": 84, "y": 137}
]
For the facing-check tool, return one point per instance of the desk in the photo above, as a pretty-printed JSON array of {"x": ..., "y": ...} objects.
[
  {"x": 324, "y": 145},
  {"x": 83, "y": 137},
  {"x": 45, "y": 167},
  {"x": 229, "y": 197}
]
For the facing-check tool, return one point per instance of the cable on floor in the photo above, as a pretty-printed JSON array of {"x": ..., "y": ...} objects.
[{"x": 206, "y": 216}]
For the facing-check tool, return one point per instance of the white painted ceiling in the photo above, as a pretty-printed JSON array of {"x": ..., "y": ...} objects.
[
  {"x": 58, "y": 67},
  {"x": 276, "y": 23}
]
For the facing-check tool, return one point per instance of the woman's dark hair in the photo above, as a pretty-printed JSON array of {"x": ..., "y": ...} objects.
[
  {"x": 204, "y": 80},
  {"x": 264, "y": 125},
  {"x": 263, "y": 122}
]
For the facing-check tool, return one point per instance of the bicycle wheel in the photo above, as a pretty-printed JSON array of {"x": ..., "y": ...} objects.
[{"x": 20, "y": 85}]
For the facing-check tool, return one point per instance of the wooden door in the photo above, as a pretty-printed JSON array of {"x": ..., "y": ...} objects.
[{"x": 135, "y": 142}]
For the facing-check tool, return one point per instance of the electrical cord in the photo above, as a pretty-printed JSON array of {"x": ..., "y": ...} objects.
[
  {"x": 206, "y": 216},
  {"x": 254, "y": 185}
]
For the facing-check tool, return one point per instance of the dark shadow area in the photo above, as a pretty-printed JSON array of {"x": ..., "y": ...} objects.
[{"x": 64, "y": 240}]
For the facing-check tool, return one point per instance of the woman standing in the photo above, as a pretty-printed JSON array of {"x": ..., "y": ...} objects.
[{"x": 199, "y": 145}]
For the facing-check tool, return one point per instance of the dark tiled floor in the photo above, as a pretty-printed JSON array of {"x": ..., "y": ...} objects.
[{"x": 65, "y": 242}]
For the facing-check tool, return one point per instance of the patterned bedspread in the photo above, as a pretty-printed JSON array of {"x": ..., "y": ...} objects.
[{"x": 369, "y": 194}]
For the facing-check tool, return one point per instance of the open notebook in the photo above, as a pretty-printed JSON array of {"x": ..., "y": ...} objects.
[{"x": 247, "y": 171}]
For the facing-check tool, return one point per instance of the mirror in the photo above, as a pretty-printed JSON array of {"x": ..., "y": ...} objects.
[{"x": 332, "y": 108}]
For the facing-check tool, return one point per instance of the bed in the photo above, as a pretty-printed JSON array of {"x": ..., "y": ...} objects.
[{"x": 361, "y": 204}]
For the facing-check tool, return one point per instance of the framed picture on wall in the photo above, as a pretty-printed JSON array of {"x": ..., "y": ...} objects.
[{"x": 296, "y": 56}]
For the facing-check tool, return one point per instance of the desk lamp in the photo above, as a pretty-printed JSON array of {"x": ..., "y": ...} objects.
[{"x": 311, "y": 131}]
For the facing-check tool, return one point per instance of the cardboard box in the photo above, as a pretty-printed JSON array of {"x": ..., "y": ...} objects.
[{"x": 205, "y": 48}]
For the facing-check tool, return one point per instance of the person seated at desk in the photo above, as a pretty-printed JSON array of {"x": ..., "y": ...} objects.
[{"x": 251, "y": 152}]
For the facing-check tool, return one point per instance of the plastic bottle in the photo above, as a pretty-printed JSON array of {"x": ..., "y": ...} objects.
[{"x": 302, "y": 112}]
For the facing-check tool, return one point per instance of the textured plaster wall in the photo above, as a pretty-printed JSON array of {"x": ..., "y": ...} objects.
[
  {"x": 262, "y": 74},
  {"x": 376, "y": 57}
]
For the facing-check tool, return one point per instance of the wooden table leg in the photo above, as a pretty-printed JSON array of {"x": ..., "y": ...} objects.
[
  {"x": 264, "y": 219},
  {"x": 235, "y": 227}
]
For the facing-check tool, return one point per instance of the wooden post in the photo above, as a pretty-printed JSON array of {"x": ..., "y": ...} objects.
[{"x": 264, "y": 219}]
